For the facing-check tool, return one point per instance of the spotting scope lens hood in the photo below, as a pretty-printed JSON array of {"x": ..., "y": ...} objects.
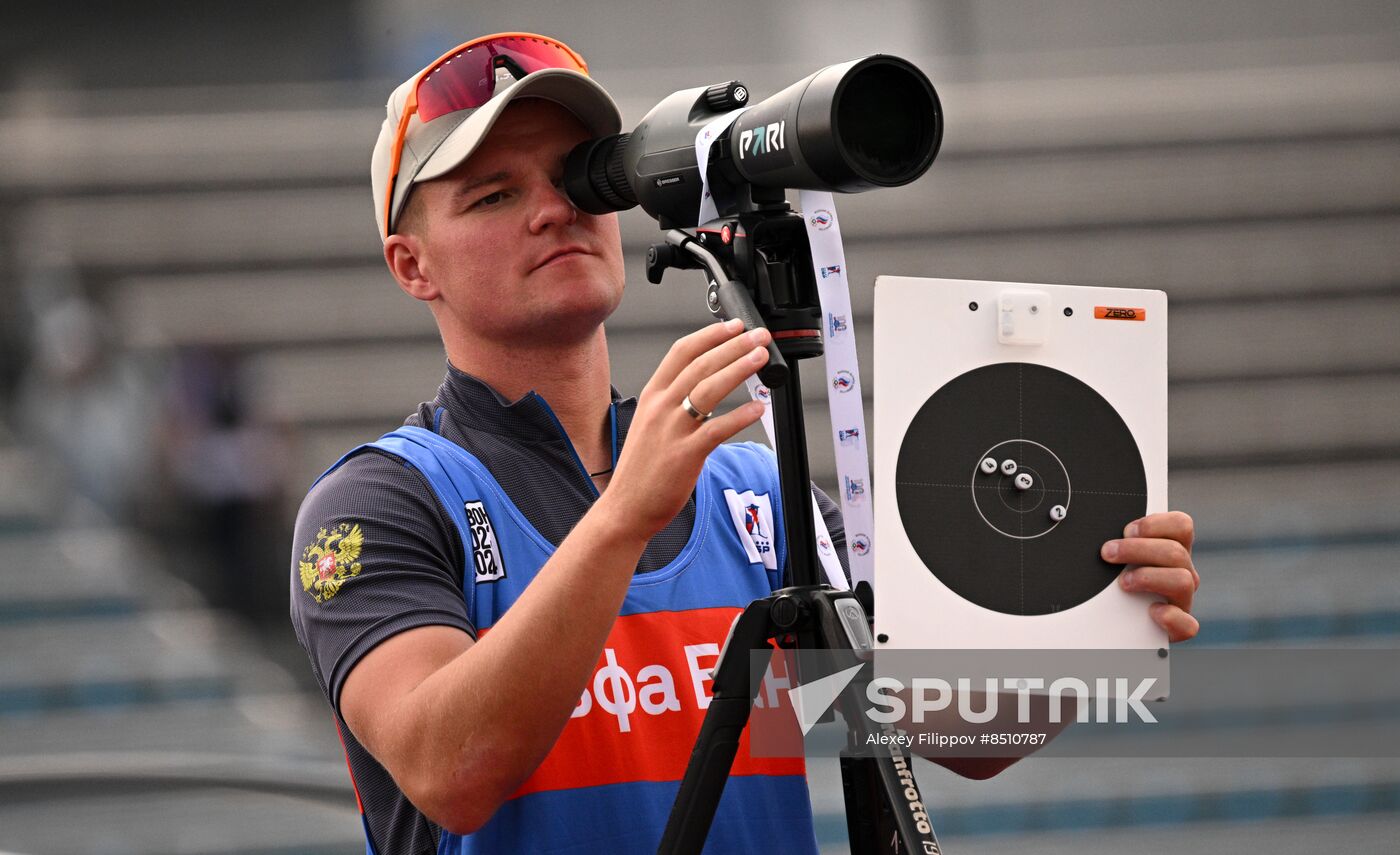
[{"x": 867, "y": 123}]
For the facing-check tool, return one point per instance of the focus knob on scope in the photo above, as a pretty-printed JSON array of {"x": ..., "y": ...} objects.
[{"x": 723, "y": 97}]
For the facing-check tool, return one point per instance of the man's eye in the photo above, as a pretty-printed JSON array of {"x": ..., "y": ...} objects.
[{"x": 490, "y": 199}]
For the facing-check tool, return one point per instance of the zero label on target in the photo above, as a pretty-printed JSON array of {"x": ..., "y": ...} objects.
[{"x": 1119, "y": 313}]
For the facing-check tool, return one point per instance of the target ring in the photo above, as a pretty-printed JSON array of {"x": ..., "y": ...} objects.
[{"x": 1028, "y": 454}]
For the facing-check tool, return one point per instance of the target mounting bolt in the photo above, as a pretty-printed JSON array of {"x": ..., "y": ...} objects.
[
  {"x": 989, "y": 465},
  {"x": 1058, "y": 513},
  {"x": 1024, "y": 481},
  {"x": 1008, "y": 467}
]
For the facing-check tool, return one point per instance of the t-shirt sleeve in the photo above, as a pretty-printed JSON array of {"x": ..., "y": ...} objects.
[
  {"x": 375, "y": 554},
  {"x": 836, "y": 527}
]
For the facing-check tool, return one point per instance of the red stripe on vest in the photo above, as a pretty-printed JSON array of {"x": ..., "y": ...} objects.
[{"x": 641, "y": 711}]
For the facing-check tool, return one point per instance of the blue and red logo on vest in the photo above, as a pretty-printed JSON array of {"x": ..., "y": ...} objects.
[{"x": 752, "y": 514}]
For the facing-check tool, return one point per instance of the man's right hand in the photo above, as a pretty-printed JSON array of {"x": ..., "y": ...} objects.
[{"x": 667, "y": 446}]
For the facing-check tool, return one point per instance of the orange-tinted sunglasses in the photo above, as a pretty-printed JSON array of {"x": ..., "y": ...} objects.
[{"x": 464, "y": 78}]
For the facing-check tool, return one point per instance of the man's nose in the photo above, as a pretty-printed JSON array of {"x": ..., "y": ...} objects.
[{"x": 552, "y": 208}]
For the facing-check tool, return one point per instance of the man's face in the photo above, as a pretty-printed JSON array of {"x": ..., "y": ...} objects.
[{"x": 511, "y": 257}]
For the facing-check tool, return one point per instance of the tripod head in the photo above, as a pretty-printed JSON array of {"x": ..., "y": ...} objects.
[{"x": 769, "y": 254}]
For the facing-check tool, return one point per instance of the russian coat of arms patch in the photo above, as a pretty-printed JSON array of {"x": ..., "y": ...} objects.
[{"x": 331, "y": 560}]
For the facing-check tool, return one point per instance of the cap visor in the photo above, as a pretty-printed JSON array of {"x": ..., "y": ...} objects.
[{"x": 571, "y": 90}]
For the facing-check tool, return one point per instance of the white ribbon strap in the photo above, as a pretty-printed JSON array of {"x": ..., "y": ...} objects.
[
  {"x": 843, "y": 392},
  {"x": 825, "y": 550}
]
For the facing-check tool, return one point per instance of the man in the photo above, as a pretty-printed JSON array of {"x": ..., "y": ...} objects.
[{"x": 513, "y": 602}]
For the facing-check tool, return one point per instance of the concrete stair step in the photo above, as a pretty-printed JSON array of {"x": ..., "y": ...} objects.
[
  {"x": 1092, "y": 189},
  {"x": 190, "y": 803},
  {"x": 82, "y": 572},
  {"x": 280, "y": 724},
  {"x": 123, "y": 660}
]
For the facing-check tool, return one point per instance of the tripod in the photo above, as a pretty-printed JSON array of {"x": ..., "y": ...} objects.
[{"x": 759, "y": 268}]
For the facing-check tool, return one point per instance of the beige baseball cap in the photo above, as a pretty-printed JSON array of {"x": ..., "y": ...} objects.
[{"x": 434, "y": 148}]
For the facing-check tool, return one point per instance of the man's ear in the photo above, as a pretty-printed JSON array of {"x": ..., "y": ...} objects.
[{"x": 404, "y": 255}]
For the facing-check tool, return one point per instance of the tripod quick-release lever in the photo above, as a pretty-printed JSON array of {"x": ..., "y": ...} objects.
[{"x": 727, "y": 299}]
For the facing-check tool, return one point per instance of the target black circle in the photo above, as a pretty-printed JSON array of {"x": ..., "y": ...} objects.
[{"x": 990, "y": 542}]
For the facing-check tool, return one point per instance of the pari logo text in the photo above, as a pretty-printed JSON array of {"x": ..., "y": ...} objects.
[{"x": 763, "y": 139}]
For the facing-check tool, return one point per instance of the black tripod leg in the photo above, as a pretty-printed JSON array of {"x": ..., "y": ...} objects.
[
  {"x": 873, "y": 812},
  {"x": 867, "y": 812},
  {"x": 732, "y": 695},
  {"x": 905, "y": 814},
  {"x": 885, "y": 811}
]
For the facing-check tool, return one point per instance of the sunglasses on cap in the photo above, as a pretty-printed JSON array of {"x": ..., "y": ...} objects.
[{"x": 464, "y": 78}]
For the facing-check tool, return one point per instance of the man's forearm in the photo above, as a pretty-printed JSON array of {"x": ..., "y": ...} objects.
[{"x": 485, "y": 720}]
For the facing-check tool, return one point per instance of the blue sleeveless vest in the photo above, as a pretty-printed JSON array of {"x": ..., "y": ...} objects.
[{"x": 608, "y": 784}]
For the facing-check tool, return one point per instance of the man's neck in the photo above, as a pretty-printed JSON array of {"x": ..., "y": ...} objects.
[{"x": 574, "y": 379}]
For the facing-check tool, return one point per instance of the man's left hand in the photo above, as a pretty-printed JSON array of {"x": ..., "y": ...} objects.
[{"x": 1157, "y": 550}]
